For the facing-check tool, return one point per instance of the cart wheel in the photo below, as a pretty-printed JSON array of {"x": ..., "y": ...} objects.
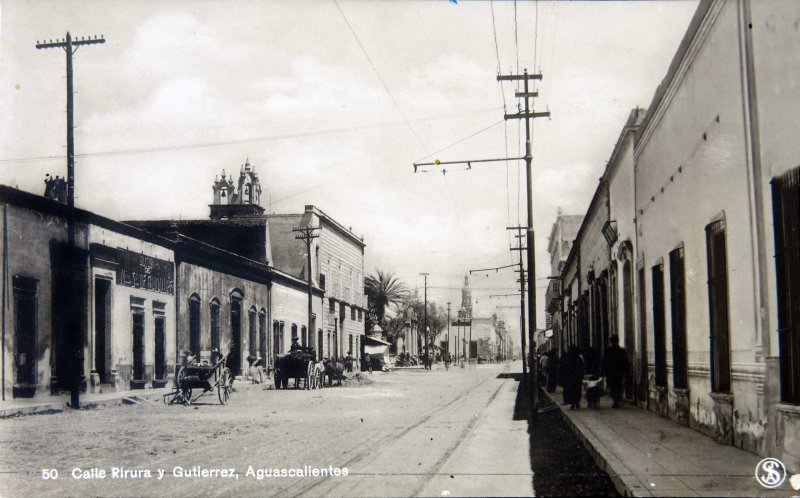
[
  {"x": 309, "y": 374},
  {"x": 224, "y": 386}
]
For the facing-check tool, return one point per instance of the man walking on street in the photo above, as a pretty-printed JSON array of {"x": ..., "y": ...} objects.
[{"x": 615, "y": 367}]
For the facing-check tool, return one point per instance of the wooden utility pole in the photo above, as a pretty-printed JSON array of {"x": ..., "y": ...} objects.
[
  {"x": 70, "y": 46},
  {"x": 448, "y": 328},
  {"x": 307, "y": 234},
  {"x": 522, "y": 339},
  {"x": 425, "y": 320},
  {"x": 527, "y": 115}
]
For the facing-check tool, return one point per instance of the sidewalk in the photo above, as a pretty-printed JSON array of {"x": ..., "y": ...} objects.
[
  {"x": 494, "y": 459},
  {"x": 648, "y": 455},
  {"x": 53, "y": 404}
]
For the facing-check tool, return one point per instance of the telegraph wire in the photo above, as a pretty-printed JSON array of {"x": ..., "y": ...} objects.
[
  {"x": 168, "y": 148},
  {"x": 462, "y": 140},
  {"x": 375, "y": 69}
]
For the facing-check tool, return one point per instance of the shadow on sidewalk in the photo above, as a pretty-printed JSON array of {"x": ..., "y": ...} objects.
[{"x": 561, "y": 465}]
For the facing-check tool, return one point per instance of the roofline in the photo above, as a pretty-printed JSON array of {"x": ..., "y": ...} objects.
[
  {"x": 347, "y": 233},
  {"x": 698, "y": 18},
  {"x": 269, "y": 271},
  {"x": 20, "y": 198}
]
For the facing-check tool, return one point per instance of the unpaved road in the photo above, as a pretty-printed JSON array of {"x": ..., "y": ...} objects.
[{"x": 391, "y": 436}]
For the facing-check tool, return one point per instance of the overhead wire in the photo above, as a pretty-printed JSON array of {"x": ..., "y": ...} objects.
[
  {"x": 505, "y": 126},
  {"x": 378, "y": 74},
  {"x": 461, "y": 140},
  {"x": 283, "y": 136}
]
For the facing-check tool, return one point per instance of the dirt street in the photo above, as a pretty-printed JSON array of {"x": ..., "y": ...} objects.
[{"x": 390, "y": 437}]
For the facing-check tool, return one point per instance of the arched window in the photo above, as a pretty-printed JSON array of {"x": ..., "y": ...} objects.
[
  {"x": 194, "y": 324},
  {"x": 252, "y": 336},
  {"x": 262, "y": 334},
  {"x": 303, "y": 336},
  {"x": 214, "y": 316}
]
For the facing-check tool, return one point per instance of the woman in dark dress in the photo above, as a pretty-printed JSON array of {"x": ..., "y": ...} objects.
[{"x": 573, "y": 368}]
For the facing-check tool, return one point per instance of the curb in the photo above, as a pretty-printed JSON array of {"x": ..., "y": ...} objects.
[
  {"x": 32, "y": 410},
  {"x": 624, "y": 480},
  {"x": 48, "y": 408}
]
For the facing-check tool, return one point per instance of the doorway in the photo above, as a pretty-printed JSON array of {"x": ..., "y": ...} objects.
[{"x": 102, "y": 329}]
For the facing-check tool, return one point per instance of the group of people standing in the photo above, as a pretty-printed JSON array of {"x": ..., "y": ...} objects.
[{"x": 571, "y": 367}]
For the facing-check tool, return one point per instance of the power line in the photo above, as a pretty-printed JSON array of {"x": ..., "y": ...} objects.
[
  {"x": 168, "y": 148},
  {"x": 375, "y": 69},
  {"x": 462, "y": 140}
]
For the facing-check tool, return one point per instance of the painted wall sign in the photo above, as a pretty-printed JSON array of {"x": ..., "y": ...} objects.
[{"x": 145, "y": 272}]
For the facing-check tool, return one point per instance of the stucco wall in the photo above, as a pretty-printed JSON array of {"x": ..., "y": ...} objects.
[
  {"x": 691, "y": 169},
  {"x": 121, "y": 321}
]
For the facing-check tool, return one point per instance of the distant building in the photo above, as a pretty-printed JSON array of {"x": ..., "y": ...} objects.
[{"x": 237, "y": 224}]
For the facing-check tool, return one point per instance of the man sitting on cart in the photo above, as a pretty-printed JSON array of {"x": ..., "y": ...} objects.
[{"x": 295, "y": 346}]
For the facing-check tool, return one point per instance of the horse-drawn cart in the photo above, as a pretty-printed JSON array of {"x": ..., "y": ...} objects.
[
  {"x": 206, "y": 376},
  {"x": 298, "y": 364}
]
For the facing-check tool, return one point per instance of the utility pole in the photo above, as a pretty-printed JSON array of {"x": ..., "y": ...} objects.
[
  {"x": 70, "y": 46},
  {"x": 425, "y": 319},
  {"x": 307, "y": 234},
  {"x": 522, "y": 339},
  {"x": 527, "y": 115},
  {"x": 448, "y": 328}
]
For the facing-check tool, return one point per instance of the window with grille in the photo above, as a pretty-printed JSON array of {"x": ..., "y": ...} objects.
[
  {"x": 659, "y": 329},
  {"x": 214, "y": 311},
  {"x": 786, "y": 214},
  {"x": 252, "y": 331},
  {"x": 262, "y": 334},
  {"x": 678, "y": 306},
  {"x": 642, "y": 335},
  {"x": 194, "y": 324},
  {"x": 718, "y": 307}
]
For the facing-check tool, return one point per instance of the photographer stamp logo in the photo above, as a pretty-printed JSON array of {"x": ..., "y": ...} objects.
[{"x": 770, "y": 473}]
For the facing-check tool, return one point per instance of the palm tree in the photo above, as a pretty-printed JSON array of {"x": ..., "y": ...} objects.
[{"x": 382, "y": 290}]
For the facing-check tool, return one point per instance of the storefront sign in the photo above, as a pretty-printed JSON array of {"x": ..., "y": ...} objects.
[{"x": 145, "y": 272}]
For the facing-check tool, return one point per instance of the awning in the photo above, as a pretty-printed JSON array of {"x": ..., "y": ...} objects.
[
  {"x": 375, "y": 341},
  {"x": 375, "y": 349}
]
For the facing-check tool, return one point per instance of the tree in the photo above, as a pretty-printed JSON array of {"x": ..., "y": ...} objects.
[{"x": 382, "y": 290}]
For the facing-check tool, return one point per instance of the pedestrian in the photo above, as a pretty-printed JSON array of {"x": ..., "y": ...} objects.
[
  {"x": 591, "y": 361},
  {"x": 552, "y": 370},
  {"x": 573, "y": 369},
  {"x": 615, "y": 367},
  {"x": 348, "y": 362}
]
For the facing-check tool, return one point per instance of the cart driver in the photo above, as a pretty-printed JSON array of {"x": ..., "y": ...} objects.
[{"x": 295, "y": 346}]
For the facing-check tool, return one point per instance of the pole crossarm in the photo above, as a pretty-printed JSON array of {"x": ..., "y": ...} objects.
[
  {"x": 468, "y": 162},
  {"x": 75, "y": 43},
  {"x": 479, "y": 270},
  {"x": 517, "y": 77},
  {"x": 306, "y": 233},
  {"x": 526, "y": 115}
]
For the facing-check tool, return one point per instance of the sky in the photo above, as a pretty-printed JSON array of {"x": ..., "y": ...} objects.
[{"x": 333, "y": 102}]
